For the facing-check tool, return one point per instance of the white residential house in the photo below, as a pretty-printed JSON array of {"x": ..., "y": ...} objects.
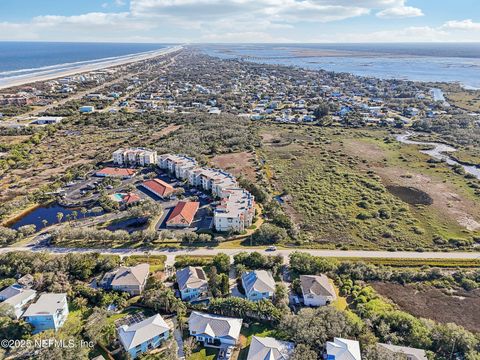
[
  {"x": 17, "y": 297},
  {"x": 317, "y": 290},
  {"x": 127, "y": 279},
  {"x": 47, "y": 120},
  {"x": 143, "y": 336},
  {"x": 258, "y": 284},
  {"x": 401, "y": 352},
  {"x": 267, "y": 348},
  {"x": 192, "y": 282},
  {"x": 342, "y": 349},
  {"x": 214, "y": 330}
]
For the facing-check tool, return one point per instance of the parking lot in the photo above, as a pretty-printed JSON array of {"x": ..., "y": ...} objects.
[
  {"x": 87, "y": 191},
  {"x": 204, "y": 217}
]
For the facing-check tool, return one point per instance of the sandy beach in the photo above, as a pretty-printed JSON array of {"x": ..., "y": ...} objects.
[{"x": 82, "y": 68}]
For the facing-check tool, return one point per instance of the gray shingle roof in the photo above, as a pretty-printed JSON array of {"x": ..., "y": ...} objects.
[
  {"x": 317, "y": 285},
  {"x": 258, "y": 280},
  {"x": 191, "y": 278},
  {"x": 267, "y": 348},
  {"x": 416, "y": 354},
  {"x": 134, "y": 275},
  {"x": 20, "y": 297},
  {"x": 214, "y": 325},
  {"x": 10, "y": 291}
]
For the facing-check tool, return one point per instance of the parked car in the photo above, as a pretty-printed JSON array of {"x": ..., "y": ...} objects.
[
  {"x": 225, "y": 353},
  {"x": 272, "y": 248}
]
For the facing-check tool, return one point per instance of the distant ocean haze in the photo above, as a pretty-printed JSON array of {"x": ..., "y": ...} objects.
[
  {"x": 459, "y": 62},
  {"x": 23, "y": 58}
]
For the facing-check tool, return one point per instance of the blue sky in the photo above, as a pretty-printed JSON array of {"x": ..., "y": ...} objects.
[{"x": 241, "y": 20}]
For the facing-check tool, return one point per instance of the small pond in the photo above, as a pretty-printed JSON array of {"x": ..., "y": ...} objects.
[{"x": 48, "y": 213}]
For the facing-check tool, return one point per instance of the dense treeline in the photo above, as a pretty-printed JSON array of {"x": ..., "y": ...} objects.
[
  {"x": 255, "y": 261},
  {"x": 382, "y": 321},
  {"x": 303, "y": 263},
  {"x": 209, "y": 135},
  {"x": 74, "y": 266},
  {"x": 459, "y": 130}
]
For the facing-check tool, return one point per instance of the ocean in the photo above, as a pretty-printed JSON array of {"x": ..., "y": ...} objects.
[
  {"x": 432, "y": 62},
  {"x": 26, "y": 58}
]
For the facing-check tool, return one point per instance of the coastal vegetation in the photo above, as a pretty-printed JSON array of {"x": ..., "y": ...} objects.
[{"x": 337, "y": 186}]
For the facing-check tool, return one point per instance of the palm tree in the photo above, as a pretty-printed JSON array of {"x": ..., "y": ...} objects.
[
  {"x": 45, "y": 223},
  {"x": 59, "y": 217},
  {"x": 84, "y": 211},
  {"x": 74, "y": 215}
]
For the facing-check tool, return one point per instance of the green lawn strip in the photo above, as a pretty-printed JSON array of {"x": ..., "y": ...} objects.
[
  {"x": 203, "y": 353},
  {"x": 156, "y": 262},
  {"x": 408, "y": 262}
]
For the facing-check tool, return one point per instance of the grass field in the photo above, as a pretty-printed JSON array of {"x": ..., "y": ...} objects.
[
  {"x": 201, "y": 353},
  {"x": 157, "y": 262},
  {"x": 442, "y": 263},
  {"x": 466, "y": 99},
  {"x": 337, "y": 180}
]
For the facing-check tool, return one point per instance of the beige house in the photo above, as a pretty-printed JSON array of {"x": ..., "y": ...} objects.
[
  {"x": 131, "y": 280},
  {"x": 317, "y": 290}
]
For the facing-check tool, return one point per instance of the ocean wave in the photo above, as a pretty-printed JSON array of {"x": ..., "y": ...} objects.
[{"x": 67, "y": 66}]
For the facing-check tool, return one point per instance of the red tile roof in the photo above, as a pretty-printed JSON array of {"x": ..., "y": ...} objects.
[
  {"x": 158, "y": 187},
  {"x": 131, "y": 198},
  {"x": 121, "y": 172},
  {"x": 183, "y": 213}
]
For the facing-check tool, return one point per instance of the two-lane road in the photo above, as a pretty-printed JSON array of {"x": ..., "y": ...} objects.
[{"x": 171, "y": 253}]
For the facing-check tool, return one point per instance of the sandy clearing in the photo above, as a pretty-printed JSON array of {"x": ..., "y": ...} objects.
[
  {"x": 464, "y": 211},
  {"x": 239, "y": 164},
  {"x": 446, "y": 200}
]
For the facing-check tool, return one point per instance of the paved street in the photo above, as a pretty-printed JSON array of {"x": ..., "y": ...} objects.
[{"x": 171, "y": 253}]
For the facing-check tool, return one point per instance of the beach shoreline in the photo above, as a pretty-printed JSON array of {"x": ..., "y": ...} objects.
[{"x": 55, "y": 74}]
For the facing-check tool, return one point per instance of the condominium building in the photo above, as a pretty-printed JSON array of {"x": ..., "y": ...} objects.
[
  {"x": 179, "y": 165},
  {"x": 134, "y": 156},
  {"x": 237, "y": 208},
  {"x": 235, "y": 212}
]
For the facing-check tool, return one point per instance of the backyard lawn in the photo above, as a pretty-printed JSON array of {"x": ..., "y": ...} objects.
[
  {"x": 257, "y": 329},
  {"x": 201, "y": 353}
]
